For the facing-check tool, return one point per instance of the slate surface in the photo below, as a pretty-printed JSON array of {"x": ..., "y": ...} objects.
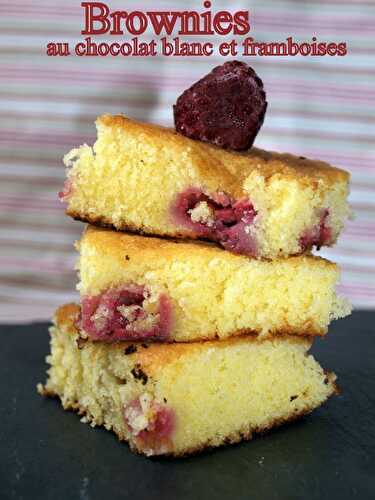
[{"x": 47, "y": 453}]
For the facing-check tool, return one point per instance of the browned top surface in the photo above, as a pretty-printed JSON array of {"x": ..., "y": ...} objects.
[
  {"x": 210, "y": 159},
  {"x": 129, "y": 248},
  {"x": 156, "y": 355}
]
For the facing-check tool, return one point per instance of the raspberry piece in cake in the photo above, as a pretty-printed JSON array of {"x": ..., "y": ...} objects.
[
  {"x": 151, "y": 424},
  {"x": 126, "y": 313},
  {"x": 320, "y": 235},
  {"x": 217, "y": 218}
]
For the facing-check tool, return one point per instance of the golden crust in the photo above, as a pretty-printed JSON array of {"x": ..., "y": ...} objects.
[
  {"x": 119, "y": 244},
  {"x": 156, "y": 356},
  {"x": 65, "y": 318},
  {"x": 153, "y": 356},
  {"x": 231, "y": 166},
  {"x": 105, "y": 223}
]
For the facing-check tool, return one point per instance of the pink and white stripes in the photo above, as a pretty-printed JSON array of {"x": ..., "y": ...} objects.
[{"x": 321, "y": 107}]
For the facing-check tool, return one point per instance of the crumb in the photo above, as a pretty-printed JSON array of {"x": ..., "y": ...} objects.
[
  {"x": 139, "y": 374},
  {"x": 81, "y": 342},
  {"x": 202, "y": 213},
  {"x": 130, "y": 349}
]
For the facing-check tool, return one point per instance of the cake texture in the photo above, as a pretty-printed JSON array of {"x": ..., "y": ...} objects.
[
  {"x": 135, "y": 288},
  {"x": 152, "y": 180},
  {"x": 178, "y": 399}
]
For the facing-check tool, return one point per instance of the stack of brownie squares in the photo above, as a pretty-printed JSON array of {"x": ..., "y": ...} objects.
[
  {"x": 200, "y": 301},
  {"x": 199, "y": 294}
]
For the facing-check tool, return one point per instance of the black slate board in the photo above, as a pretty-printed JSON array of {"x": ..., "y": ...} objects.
[{"x": 47, "y": 453}]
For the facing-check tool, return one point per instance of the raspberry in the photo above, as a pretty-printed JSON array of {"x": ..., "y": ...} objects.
[
  {"x": 226, "y": 221},
  {"x": 118, "y": 314},
  {"x": 226, "y": 107}
]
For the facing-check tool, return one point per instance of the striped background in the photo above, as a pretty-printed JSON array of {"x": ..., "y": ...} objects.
[{"x": 320, "y": 107}]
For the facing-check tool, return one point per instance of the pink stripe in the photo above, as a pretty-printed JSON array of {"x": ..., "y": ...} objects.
[
  {"x": 355, "y": 252},
  {"x": 342, "y": 3},
  {"x": 20, "y": 197},
  {"x": 368, "y": 232},
  {"x": 325, "y": 136},
  {"x": 172, "y": 82},
  {"x": 317, "y": 25},
  {"x": 360, "y": 50},
  {"x": 365, "y": 186},
  {"x": 14, "y": 208},
  {"x": 364, "y": 206},
  {"x": 19, "y": 202},
  {"x": 360, "y": 270},
  {"x": 40, "y": 197},
  {"x": 354, "y": 162},
  {"x": 44, "y": 10},
  {"x": 26, "y": 161},
  {"x": 32, "y": 244},
  {"x": 121, "y": 102},
  {"x": 312, "y": 153},
  {"x": 36, "y": 265},
  {"x": 365, "y": 237},
  {"x": 360, "y": 225},
  {"x": 114, "y": 77},
  {"x": 44, "y": 226},
  {"x": 48, "y": 141},
  {"x": 358, "y": 288},
  {"x": 21, "y": 179},
  {"x": 325, "y": 115},
  {"x": 356, "y": 296},
  {"x": 359, "y": 238},
  {"x": 41, "y": 137},
  {"x": 8, "y": 296},
  {"x": 44, "y": 31},
  {"x": 89, "y": 118},
  {"x": 137, "y": 103},
  {"x": 294, "y": 65},
  {"x": 304, "y": 92},
  {"x": 60, "y": 137}
]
